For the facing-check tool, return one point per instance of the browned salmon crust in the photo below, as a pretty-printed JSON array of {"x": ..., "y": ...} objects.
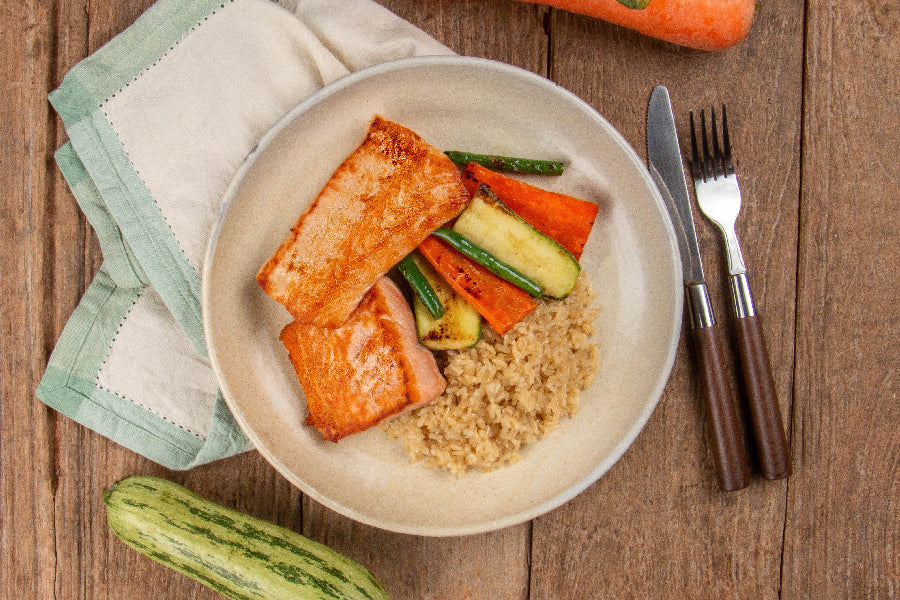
[
  {"x": 386, "y": 197},
  {"x": 367, "y": 369}
]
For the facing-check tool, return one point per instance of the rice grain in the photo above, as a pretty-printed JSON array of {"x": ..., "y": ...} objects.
[{"x": 506, "y": 392}]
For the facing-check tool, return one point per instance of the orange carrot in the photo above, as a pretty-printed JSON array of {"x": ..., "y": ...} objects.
[
  {"x": 565, "y": 219},
  {"x": 500, "y": 303},
  {"x": 700, "y": 24}
]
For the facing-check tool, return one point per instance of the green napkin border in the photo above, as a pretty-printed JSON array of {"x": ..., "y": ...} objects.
[
  {"x": 71, "y": 381},
  {"x": 119, "y": 261},
  {"x": 79, "y": 100},
  {"x": 70, "y": 385}
]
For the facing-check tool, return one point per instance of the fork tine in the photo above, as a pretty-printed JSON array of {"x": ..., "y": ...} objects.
[
  {"x": 696, "y": 165},
  {"x": 707, "y": 159},
  {"x": 729, "y": 163},
  {"x": 718, "y": 168}
]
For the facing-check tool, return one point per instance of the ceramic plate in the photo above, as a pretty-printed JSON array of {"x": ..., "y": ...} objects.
[{"x": 453, "y": 103}]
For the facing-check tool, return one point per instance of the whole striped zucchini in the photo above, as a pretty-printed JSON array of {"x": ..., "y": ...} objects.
[{"x": 240, "y": 556}]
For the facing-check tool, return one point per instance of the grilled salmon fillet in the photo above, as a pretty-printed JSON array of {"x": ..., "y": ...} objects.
[
  {"x": 365, "y": 370},
  {"x": 385, "y": 198}
]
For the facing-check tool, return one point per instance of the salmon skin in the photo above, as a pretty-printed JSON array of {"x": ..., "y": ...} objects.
[
  {"x": 382, "y": 201},
  {"x": 369, "y": 368}
]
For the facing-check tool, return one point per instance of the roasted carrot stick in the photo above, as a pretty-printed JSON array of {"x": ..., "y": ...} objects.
[
  {"x": 500, "y": 303},
  {"x": 700, "y": 24},
  {"x": 565, "y": 219}
]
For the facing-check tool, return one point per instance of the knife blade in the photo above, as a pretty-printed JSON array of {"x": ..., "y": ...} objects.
[{"x": 667, "y": 170}]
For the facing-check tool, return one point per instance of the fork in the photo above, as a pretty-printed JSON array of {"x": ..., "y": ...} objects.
[{"x": 719, "y": 198}]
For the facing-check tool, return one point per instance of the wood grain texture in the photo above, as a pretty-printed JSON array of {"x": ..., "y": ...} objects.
[
  {"x": 842, "y": 537},
  {"x": 27, "y": 444},
  {"x": 813, "y": 106},
  {"x": 657, "y": 521},
  {"x": 504, "y": 30}
]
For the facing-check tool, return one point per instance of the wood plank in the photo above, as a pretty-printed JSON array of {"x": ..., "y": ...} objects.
[
  {"x": 503, "y": 30},
  {"x": 76, "y": 256},
  {"x": 92, "y": 563},
  {"x": 657, "y": 525},
  {"x": 843, "y": 519},
  {"x": 86, "y": 461},
  {"x": 490, "y": 566},
  {"x": 27, "y": 444},
  {"x": 246, "y": 483}
]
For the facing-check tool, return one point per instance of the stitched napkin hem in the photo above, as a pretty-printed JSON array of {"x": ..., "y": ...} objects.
[{"x": 71, "y": 386}]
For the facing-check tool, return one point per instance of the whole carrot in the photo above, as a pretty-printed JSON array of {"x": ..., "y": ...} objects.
[{"x": 700, "y": 24}]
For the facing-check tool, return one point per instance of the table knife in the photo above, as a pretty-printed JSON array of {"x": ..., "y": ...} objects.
[{"x": 667, "y": 170}]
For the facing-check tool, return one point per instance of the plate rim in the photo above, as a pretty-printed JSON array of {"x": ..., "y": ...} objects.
[{"x": 396, "y": 525}]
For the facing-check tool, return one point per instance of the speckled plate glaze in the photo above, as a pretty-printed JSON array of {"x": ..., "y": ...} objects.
[{"x": 454, "y": 103}]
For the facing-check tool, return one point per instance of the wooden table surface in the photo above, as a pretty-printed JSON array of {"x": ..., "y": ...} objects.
[{"x": 813, "y": 101}]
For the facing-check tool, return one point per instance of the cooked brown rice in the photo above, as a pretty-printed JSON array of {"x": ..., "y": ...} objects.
[{"x": 506, "y": 391}]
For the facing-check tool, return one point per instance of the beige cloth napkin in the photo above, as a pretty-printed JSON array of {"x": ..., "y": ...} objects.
[{"x": 159, "y": 120}]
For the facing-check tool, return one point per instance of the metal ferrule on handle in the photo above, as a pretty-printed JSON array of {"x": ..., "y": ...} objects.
[
  {"x": 702, "y": 314},
  {"x": 742, "y": 299}
]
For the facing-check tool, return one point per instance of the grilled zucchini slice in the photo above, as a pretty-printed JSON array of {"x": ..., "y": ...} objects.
[
  {"x": 459, "y": 326},
  {"x": 488, "y": 223}
]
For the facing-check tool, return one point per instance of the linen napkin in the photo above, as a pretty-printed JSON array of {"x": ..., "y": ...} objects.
[{"x": 159, "y": 120}]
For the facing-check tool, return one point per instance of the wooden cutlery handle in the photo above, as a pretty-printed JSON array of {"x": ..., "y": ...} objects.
[
  {"x": 768, "y": 430},
  {"x": 727, "y": 439},
  {"x": 722, "y": 416}
]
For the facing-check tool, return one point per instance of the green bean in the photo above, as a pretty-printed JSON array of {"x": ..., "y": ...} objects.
[
  {"x": 421, "y": 287},
  {"x": 511, "y": 164},
  {"x": 489, "y": 261}
]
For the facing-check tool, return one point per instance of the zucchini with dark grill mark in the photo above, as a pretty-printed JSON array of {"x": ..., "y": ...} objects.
[
  {"x": 459, "y": 326},
  {"x": 240, "y": 556}
]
